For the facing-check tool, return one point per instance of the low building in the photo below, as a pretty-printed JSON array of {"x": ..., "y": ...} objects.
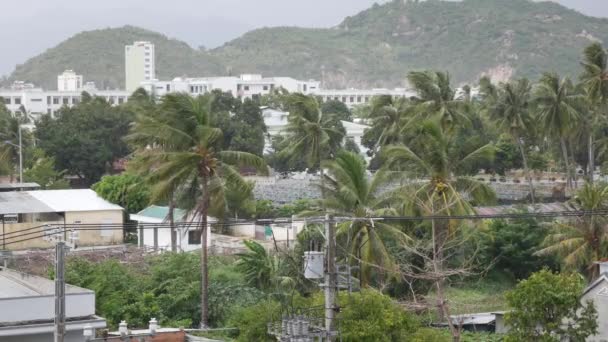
[
  {"x": 597, "y": 292},
  {"x": 154, "y": 229},
  {"x": 27, "y": 216},
  {"x": 27, "y": 309}
]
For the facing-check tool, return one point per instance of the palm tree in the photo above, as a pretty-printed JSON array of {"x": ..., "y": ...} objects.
[
  {"x": 510, "y": 107},
  {"x": 310, "y": 134},
  {"x": 557, "y": 104},
  {"x": 585, "y": 240},
  {"x": 436, "y": 98},
  {"x": 447, "y": 191},
  {"x": 389, "y": 118},
  {"x": 194, "y": 165},
  {"x": 261, "y": 269},
  {"x": 351, "y": 193},
  {"x": 595, "y": 81}
]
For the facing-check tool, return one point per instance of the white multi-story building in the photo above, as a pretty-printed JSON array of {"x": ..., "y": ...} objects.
[
  {"x": 69, "y": 81},
  {"x": 356, "y": 97},
  {"x": 139, "y": 64},
  {"x": 36, "y": 101},
  {"x": 244, "y": 86}
]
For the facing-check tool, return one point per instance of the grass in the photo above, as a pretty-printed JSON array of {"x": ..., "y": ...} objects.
[{"x": 484, "y": 295}]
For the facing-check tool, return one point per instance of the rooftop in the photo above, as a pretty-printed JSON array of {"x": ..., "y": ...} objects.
[
  {"x": 14, "y": 284},
  {"x": 48, "y": 201}
]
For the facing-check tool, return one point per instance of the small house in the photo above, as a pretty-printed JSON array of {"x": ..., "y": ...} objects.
[{"x": 597, "y": 292}]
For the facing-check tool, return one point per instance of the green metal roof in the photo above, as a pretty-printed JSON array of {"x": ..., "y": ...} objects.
[{"x": 160, "y": 212}]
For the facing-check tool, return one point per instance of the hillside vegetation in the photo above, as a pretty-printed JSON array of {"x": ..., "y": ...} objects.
[{"x": 377, "y": 47}]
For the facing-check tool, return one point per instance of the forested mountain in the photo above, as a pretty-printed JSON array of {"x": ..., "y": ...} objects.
[{"x": 376, "y": 47}]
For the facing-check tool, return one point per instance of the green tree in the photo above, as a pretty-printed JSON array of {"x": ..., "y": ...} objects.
[
  {"x": 447, "y": 192},
  {"x": 584, "y": 240},
  {"x": 338, "y": 109},
  {"x": 44, "y": 173},
  {"x": 262, "y": 269},
  {"x": 436, "y": 99},
  {"x": 127, "y": 190},
  {"x": 389, "y": 117},
  {"x": 350, "y": 193},
  {"x": 594, "y": 79},
  {"x": 249, "y": 129},
  {"x": 310, "y": 134},
  {"x": 557, "y": 110},
  {"x": 511, "y": 108},
  {"x": 192, "y": 162},
  {"x": 546, "y": 307},
  {"x": 85, "y": 139}
]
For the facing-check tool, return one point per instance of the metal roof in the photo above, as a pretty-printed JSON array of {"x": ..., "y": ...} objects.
[
  {"x": 14, "y": 284},
  {"x": 73, "y": 200},
  {"x": 21, "y": 203},
  {"x": 482, "y": 318},
  {"x": 159, "y": 212},
  {"x": 52, "y": 201}
]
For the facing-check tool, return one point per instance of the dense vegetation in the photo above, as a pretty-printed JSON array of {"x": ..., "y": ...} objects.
[{"x": 376, "y": 47}]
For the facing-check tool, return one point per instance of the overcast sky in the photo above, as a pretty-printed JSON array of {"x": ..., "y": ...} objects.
[{"x": 28, "y": 27}]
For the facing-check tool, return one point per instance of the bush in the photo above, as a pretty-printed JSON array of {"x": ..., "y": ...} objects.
[{"x": 251, "y": 321}]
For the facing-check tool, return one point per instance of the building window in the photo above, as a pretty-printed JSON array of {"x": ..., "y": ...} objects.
[
  {"x": 147, "y": 54},
  {"x": 147, "y": 66},
  {"x": 75, "y": 100},
  {"x": 147, "y": 60},
  {"x": 305, "y": 87},
  {"x": 265, "y": 87},
  {"x": 238, "y": 87},
  {"x": 359, "y": 99},
  {"x": 121, "y": 100},
  {"x": 66, "y": 100},
  {"x": 7, "y": 100},
  {"x": 367, "y": 99},
  {"x": 352, "y": 99},
  {"x": 246, "y": 88},
  {"x": 48, "y": 100},
  {"x": 48, "y": 111},
  {"x": 36, "y": 100},
  {"x": 194, "y": 237},
  {"x": 17, "y": 100},
  {"x": 344, "y": 99},
  {"x": 168, "y": 87},
  {"x": 56, "y": 100}
]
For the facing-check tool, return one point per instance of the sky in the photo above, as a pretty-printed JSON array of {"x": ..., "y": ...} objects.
[{"x": 28, "y": 27}]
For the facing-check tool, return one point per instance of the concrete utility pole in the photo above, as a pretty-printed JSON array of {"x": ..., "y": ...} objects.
[
  {"x": 59, "y": 291},
  {"x": 330, "y": 278}
]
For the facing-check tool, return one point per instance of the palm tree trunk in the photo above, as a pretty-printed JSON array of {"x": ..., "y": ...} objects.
[
  {"x": 591, "y": 162},
  {"x": 204, "y": 208},
  {"x": 172, "y": 224},
  {"x": 566, "y": 162},
  {"x": 439, "y": 232},
  {"x": 526, "y": 169}
]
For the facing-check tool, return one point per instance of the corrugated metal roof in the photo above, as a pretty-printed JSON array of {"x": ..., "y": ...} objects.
[
  {"x": 73, "y": 200},
  {"x": 21, "y": 203},
  {"x": 160, "y": 212},
  {"x": 506, "y": 209}
]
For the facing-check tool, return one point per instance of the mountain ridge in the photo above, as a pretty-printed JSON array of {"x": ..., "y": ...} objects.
[{"x": 374, "y": 48}]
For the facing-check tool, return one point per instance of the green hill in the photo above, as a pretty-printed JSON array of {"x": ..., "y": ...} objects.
[
  {"x": 377, "y": 47},
  {"x": 99, "y": 55}
]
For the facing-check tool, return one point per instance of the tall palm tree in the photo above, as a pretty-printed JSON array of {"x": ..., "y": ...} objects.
[
  {"x": 447, "y": 190},
  {"x": 436, "y": 99},
  {"x": 196, "y": 164},
  {"x": 595, "y": 81},
  {"x": 557, "y": 109},
  {"x": 510, "y": 106},
  {"x": 351, "y": 193},
  {"x": 583, "y": 241}
]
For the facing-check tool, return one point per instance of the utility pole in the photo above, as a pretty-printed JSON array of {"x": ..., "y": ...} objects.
[
  {"x": 330, "y": 278},
  {"x": 20, "y": 156},
  {"x": 59, "y": 291}
]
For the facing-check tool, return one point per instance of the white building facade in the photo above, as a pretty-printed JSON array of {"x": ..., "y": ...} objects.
[
  {"x": 244, "y": 86},
  {"x": 357, "y": 97},
  {"x": 36, "y": 101},
  {"x": 69, "y": 81},
  {"x": 140, "y": 64}
]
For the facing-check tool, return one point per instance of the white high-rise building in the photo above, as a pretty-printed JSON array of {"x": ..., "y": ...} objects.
[
  {"x": 139, "y": 65},
  {"x": 69, "y": 81}
]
